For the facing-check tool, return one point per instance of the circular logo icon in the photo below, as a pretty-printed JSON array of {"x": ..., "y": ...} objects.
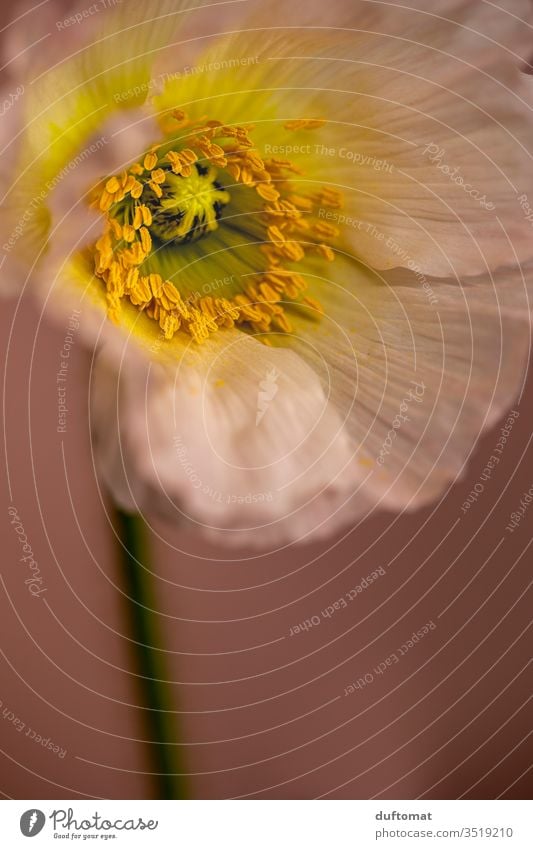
[{"x": 32, "y": 822}]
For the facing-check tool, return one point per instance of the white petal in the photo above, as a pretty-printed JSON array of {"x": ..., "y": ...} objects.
[
  {"x": 429, "y": 134},
  {"x": 442, "y": 142},
  {"x": 238, "y": 438},
  {"x": 73, "y": 225},
  {"x": 421, "y": 371}
]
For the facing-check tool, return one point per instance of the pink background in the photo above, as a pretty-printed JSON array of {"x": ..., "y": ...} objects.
[{"x": 264, "y": 714}]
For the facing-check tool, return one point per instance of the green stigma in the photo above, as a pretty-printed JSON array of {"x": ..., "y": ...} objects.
[{"x": 190, "y": 206}]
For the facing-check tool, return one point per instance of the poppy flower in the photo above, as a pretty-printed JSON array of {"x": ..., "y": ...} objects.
[{"x": 298, "y": 242}]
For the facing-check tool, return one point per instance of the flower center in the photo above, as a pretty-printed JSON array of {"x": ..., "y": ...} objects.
[
  {"x": 189, "y": 207},
  {"x": 162, "y": 205}
]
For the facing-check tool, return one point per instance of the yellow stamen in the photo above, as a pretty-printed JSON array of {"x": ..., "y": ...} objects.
[
  {"x": 182, "y": 200},
  {"x": 137, "y": 218},
  {"x": 305, "y": 124},
  {"x": 158, "y": 176},
  {"x": 146, "y": 240},
  {"x": 157, "y": 190},
  {"x": 150, "y": 161},
  {"x": 128, "y": 233},
  {"x": 112, "y": 185},
  {"x": 137, "y": 189}
]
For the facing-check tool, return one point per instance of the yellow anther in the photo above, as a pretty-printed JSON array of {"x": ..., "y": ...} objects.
[
  {"x": 150, "y": 161},
  {"x": 267, "y": 191},
  {"x": 137, "y": 189},
  {"x": 112, "y": 185},
  {"x": 301, "y": 202},
  {"x": 255, "y": 160},
  {"x": 281, "y": 321},
  {"x": 305, "y": 124},
  {"x": 146, "y": 240},
  {"x": 157, "y": 190},
  {"x": 106, "y": 201},
  {"x": 131, "y": 279},
  {"x": 294, "y": 251},
  {"x": 189, "y": 155},
  {"x": 175, "y": 161},
  {"x": 331, "y": 198},
  {"x": 134, "y": 255},
  {"x": 137, "y": 218},
  {"x": 268, "y": 292},
  {"x": 235, "y": 171},
  {"x": 324, "y": 230},
  {"x": 169, "y": 323},
  {"x": 158, "y": 176},
  {"x": 275, "y": 235},
  {"x": 130, "y": 183},
  {"x": 140, "y": 292},
  {"x": 156, "y": 284},
  {"x": 116, "y": 229},
  {"x": 326, "y": 252},
  {"x": 146, "y": 215},
  {"x": 171, "y": 292},
  {"x": 115, "y": 281},
  {"x": 314, "y": 304},
  {"x": 128, "y": 232}
]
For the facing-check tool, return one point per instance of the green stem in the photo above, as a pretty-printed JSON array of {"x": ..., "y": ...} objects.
[{"x": 160, "y": 717}]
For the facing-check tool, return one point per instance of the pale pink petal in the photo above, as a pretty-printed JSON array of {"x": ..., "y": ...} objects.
[
  {"x": 429, "y": 134},
  {"x": 11, "y": 124},
  {"x": 420, "y": 368},
  {"x": 440, "y": 141},
  {"x": 39, "y": 34},
  {"x": 237, "y": 438},
  {"x": 44, "y": 269}
]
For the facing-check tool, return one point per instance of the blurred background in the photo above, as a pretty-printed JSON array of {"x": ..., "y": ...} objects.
[
  {"x": 266, "y": 710},
  {"x": 279, "y": 689}
]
